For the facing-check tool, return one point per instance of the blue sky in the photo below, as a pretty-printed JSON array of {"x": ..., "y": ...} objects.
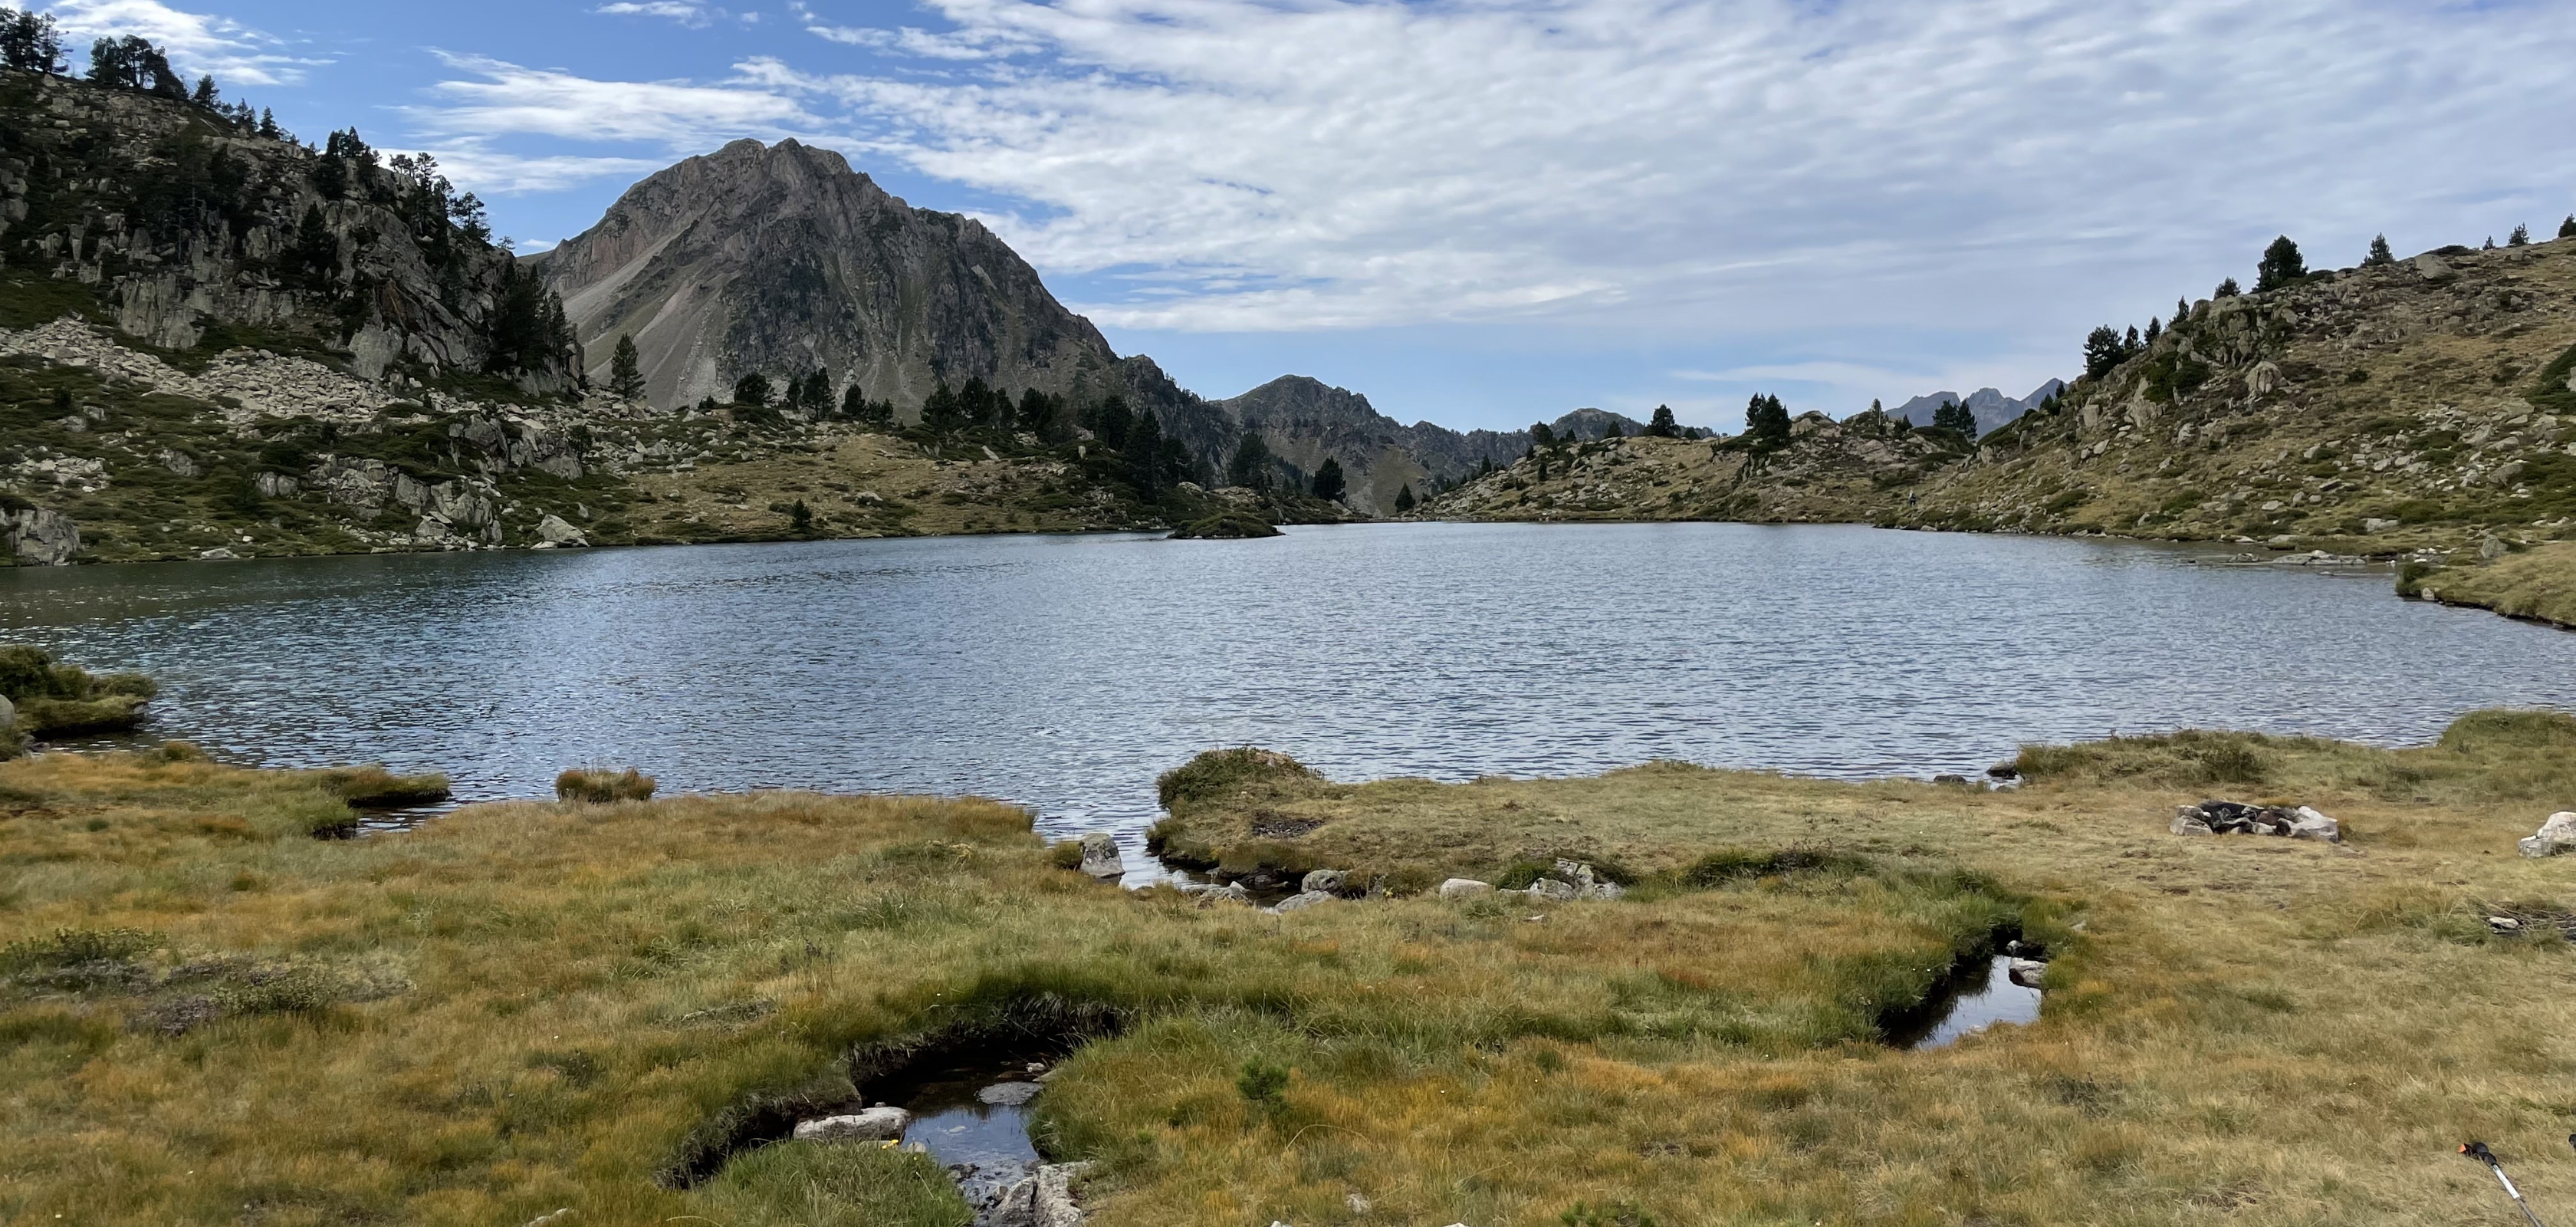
[{"x": 1486, "y": 212}]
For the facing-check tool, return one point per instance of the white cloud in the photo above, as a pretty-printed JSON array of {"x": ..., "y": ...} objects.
[
  {"x": 198, "y": 43},
  {"x": 2005, "y": 170},
  {"x": 685, "y": 14}
]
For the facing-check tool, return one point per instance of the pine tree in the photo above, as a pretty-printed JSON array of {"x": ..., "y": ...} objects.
[
  {"x": 1108, "y": 420},
  {"x": 626, "y": 370},
  {"x": 268, "y": 125},
  {"x": 752, "y": 390},
  {"x": 1144, "y": 456},
  {"x": 2103, "y": 352},
  {"x": 2182, "y": 311},
  {"x": 2226, "y": 289},
  {"x": 1329, "y": 483},
  {"x": 1404, "y": 498},
  {"x": 1542, "y": 435},
  {"x": 2521, "y": 236},
  {"x": 939, "y": 409},
  {"x": 1663, "y": 427},
  {"x": 2380, "y": 256},
  {"x": 1951, "y": 415},
  {"x": 2567, "y": 229},
  {"x": 800, "y": 519},
  {"x": 2154, "y": 330},
  {"x": 205, "y": 95},
  {"x": 2280, "y": 266},
  {"x": 317, "y": 250},
  {"x": 1766, "y": 420},
  {"x": 1037, "y": 412},
  {"x": 1251, "y": 465},
  {"x": 1610, "y": 430},
  {"x": 854, "y": 404},
  {"x": 29, "y": 42}
]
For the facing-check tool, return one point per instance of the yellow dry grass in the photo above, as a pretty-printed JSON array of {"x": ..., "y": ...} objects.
[
  {"x": 526, "y": 1007},
  {"x": 2538, "y": 583}
]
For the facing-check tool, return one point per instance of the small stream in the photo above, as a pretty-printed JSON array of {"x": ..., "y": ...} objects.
[{"x": 1969, "y": 1000}]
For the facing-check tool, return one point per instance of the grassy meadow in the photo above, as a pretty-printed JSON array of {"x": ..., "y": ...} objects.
[
  {"x": 2538, "y": 583},
  {"x": 209, "y": 1015}
]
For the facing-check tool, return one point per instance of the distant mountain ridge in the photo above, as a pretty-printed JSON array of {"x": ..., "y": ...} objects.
[{"x": 1991, "y": 406}]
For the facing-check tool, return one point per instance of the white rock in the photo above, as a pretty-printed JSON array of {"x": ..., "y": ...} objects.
[
  {"x": 553, "y": 530},
  {"x": 2027, "y": 972},
  {"x": 2312, "y": 825},
  {"x": 1325, "y": 881},
  {"x": 1460, "y": 888},
  {"x": 1550, "y": 888},
  {"x": 2555, "y": 836},
  {"x": 880, "y": 1124},
  {"x": 1100, "y": 856}
]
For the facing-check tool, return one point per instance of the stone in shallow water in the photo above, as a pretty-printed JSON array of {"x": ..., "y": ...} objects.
[
  {"x": 1008, "y": 1094},
  {"x": 1100, "y": 857},
  {"x": 871, "y": 1125}
]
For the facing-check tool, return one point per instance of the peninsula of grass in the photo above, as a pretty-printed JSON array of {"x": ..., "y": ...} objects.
[
  {"x": 614, "y": 1008},
  {"x": 2537, "y": 584}
]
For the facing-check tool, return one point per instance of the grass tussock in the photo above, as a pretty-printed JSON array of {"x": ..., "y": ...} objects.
[
  {"x": 611, "y": 1008},
  {"x": 59, "y": 700},
  {"x": 603, "y": 786}
]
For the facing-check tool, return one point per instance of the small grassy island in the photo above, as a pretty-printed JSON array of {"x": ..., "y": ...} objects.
[
  {"x": 1231, "y": 525},
  {"x": 616, "y": 1007}
]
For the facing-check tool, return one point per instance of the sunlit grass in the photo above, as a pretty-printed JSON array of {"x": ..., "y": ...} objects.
[{"x": 526, "y": 1007}]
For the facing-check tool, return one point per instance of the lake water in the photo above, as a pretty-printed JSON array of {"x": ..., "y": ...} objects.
[{"x": 1065, "y": 672}]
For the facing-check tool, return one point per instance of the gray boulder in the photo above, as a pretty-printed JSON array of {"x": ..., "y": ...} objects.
[
  {"x": 1008, "y": 1094},
  {"x": 1550, "y": 888},
  {"x": 1100, "y": 856},
  {"x": 40, "y": 537},
  {"x": 554, "y": 530},
  {"x": 1300, "y": 902},
  {"x": 879, "y": 1124},
  {"x": 1326, "y": 881},
  {"x": 2554, "y": 837},
  {"x": 1461, "y": 888},
  {"x": 2027, "y": 972},
  {"x": 2189, "y": 822},
  {"x": 2310, "y": 824},
  {"x": 1043, "y": 1200}
]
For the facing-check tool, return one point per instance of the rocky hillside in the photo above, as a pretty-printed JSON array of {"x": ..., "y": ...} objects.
[
  {"x": 2421, "y": 405},
  {"x": 2425, "y": 402},
  {"x": 1825, "y": 471},
  {"x": 217, "y": 342}
]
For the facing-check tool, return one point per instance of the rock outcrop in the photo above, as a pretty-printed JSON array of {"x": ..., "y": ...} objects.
[
  {"x": 2238, "y": 818},
  {"x": 2555, "y": 837}
]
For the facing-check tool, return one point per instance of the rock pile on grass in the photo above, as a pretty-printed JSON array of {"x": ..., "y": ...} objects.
[{"x": 2238, "y": 818}]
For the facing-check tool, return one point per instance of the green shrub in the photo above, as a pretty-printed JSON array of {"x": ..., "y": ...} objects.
[
  {"x": 74, "y": 948},
  {"x": 1218, "y": 773},
  {"x": 602, "y": 786},
  {"x": 1264, "y": 1084},
  {"x": 1739, "y": 864}
]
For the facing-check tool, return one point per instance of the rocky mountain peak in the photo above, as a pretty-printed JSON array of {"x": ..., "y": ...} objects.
[{"x": 780, "y": 259}]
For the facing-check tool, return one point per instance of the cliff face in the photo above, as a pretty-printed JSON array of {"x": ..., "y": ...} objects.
[
  {"x": 185, "y": 226},
  {"x": 781, "y": 259}
]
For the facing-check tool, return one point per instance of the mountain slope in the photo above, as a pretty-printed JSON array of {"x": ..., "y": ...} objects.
[
  {"x": 2422, "y": 403},
  {"x": 2422, "y": 406},
  {"x": 781, "y": 259}
]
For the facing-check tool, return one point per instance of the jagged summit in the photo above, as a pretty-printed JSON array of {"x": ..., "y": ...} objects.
[
  {"x": 781, "y": 258},
  {"x": 1991, "y": 406}
]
